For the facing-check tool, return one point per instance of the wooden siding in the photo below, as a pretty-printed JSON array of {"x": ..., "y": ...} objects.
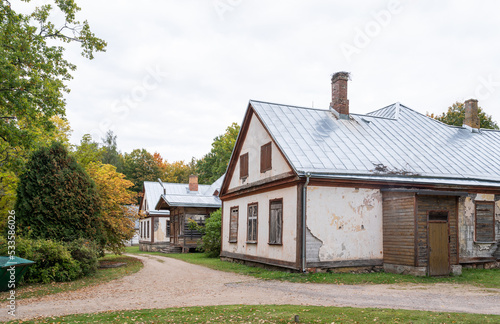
[
  {"x": 399, "y": 228},
  {"x": 425, "y": 204}
]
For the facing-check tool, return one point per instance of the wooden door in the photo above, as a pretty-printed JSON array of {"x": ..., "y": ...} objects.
[{"x": 439, "y": 260}]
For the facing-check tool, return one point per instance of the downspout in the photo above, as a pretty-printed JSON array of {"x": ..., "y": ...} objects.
[{"x": 304, "y": 200}]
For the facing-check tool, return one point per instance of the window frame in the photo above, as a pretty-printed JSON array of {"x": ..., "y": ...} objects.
[
  {"x": 280, "y": 236},
  {"x": 244, "y": 158},
  {"x": 266, "y": 164},
  {"x": 256, "y": 225},
  {"x": 492, "y": 238},
  {"x": 233, "y": 237}
]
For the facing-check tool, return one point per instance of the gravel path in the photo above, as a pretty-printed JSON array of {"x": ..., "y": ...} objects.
[{"x": 166, "y": 282}]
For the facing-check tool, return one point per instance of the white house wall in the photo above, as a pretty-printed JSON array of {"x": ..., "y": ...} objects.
[
  {"x": 343, "y": 224},
  {"x": 257, "y": 136},
  {"x": 160, "y": 227},
  {"x": 284, "y": 252}
]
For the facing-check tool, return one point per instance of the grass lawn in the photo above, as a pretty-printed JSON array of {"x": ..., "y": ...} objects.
[
  {"x": 101, "y": 276},
  {"x": 478, "y": 277},
  {"x": 271, "y": 314}
]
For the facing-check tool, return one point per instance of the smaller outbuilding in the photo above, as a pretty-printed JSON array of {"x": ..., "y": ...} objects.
[{"x": 168, "y": 207}]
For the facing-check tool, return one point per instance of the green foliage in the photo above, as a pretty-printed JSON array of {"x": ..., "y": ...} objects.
[
  {"x": 53, "y": 260},
  {"x": 116, "y": 217},
  {"x": 34, "y": 71},
  {"x": 456, "y": 114},
  {"x": 56, "y": 199},
  {"x": 86, "y": 253},
  {"x": 110, "y": 154},
  {"x": 211, "y": 241},
  {"x": 140, "y": 166},
  {"x": 214, "y": 164},
  {"x": 88, "y": 151}
]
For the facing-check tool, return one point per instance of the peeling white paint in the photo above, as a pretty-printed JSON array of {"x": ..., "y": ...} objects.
[
  {"x": 348, "y": 222},
  {"x": 485, "y": 197}
]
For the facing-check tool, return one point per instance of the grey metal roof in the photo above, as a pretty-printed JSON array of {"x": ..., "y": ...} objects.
[
  {"x": 394, "y": 143},
  {"x": 215, "y": 186},
  {"x": 152, "y": 193},
  {"x": 178, "y": 195}
]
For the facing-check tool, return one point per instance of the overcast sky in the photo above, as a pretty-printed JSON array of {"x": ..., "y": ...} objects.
[{"x": 177, "y": 73}]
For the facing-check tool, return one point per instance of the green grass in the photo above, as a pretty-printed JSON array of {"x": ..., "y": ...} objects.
[
  {"x": 100, "y": 277},
  {"x": 271, "y": 314},
  {"x": 478, "y": 277}
]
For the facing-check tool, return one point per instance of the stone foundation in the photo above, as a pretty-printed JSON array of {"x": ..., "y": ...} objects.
[
  {"x": 403, "y": 269},
  {"x": 164, "y": 247}
]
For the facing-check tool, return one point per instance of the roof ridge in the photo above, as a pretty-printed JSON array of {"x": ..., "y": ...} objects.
[{"x": 291, "y": 106}]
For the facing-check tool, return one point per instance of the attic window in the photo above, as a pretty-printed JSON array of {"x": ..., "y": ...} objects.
[
  {"x": 266, "y": 157},
  {"x": 485, "y": 221},
  {"x": 244, "y": 166}
]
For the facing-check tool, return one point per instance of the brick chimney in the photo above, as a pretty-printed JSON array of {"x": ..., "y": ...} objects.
[
  {"x": 193, "y": 182},
  {"x": 471, "y": 114},
  {"x": 339, "y": 94}
]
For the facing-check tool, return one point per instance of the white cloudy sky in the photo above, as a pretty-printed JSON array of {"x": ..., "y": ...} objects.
[{"x": 177, "y": 72}]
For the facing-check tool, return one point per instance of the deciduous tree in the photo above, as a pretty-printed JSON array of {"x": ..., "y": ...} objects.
[
  {"x": 140, "y": 166},
  {"x": 116, "y": 216},
  {"x": 88, "y": 151},
  {"x": 34, "y": 71},
  {"x": 456, "y": 114},
  {"x": 214, "y": 164}
]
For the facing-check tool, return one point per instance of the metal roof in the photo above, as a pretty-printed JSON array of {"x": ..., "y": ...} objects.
[
  {"x": 394, "y": 144},
  {"x": 178, "y": 195}
]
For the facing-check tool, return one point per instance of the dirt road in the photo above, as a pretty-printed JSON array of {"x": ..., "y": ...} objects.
[{"x": 166, "y": 282}]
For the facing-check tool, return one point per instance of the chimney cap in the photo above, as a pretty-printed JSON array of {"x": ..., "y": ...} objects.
[{"x": 342, "y": 75}]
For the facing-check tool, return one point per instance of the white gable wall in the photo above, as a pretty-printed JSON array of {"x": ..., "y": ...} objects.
[
  {"x": 256, "y": 137},
  {"x": 343, "y": 224}
]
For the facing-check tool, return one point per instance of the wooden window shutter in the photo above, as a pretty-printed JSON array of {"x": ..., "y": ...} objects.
[
  {"x": 233, "y": 225},
  {"x": 244, "y": 165},
  {"x": 485, "y": 221},
  {"x": 266, "y": 157},
  {"x": 275, "y": 221}
]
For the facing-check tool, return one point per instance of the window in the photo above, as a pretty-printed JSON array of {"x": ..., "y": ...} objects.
[
  {"x": 147, "y": 229},
  {"x": 140, "y": 230},
  {"x": 438, "y": 216},
  {"x": 265, "y": 157},
  {"x": 244, "y": 166},
  {"x": 233, "y": 225},
  {"x": 485, "y": 221},
  {"x": 252, "y": 223},
  {"x": 275, "y": 221},
  {"x": 167, "y": 225}
]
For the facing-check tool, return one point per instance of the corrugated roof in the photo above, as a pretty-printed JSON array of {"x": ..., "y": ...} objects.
[
  {"x": 394, "y": 143},
  {"x": 152, "y": 193},
  {"x": 178, "y": 194}
]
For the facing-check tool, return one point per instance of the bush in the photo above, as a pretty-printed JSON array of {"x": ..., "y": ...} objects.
[
  {"x": 53, "y": 260},
  {"x": 211, "y": 240},
  {"x": 86, "y": 253}
]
